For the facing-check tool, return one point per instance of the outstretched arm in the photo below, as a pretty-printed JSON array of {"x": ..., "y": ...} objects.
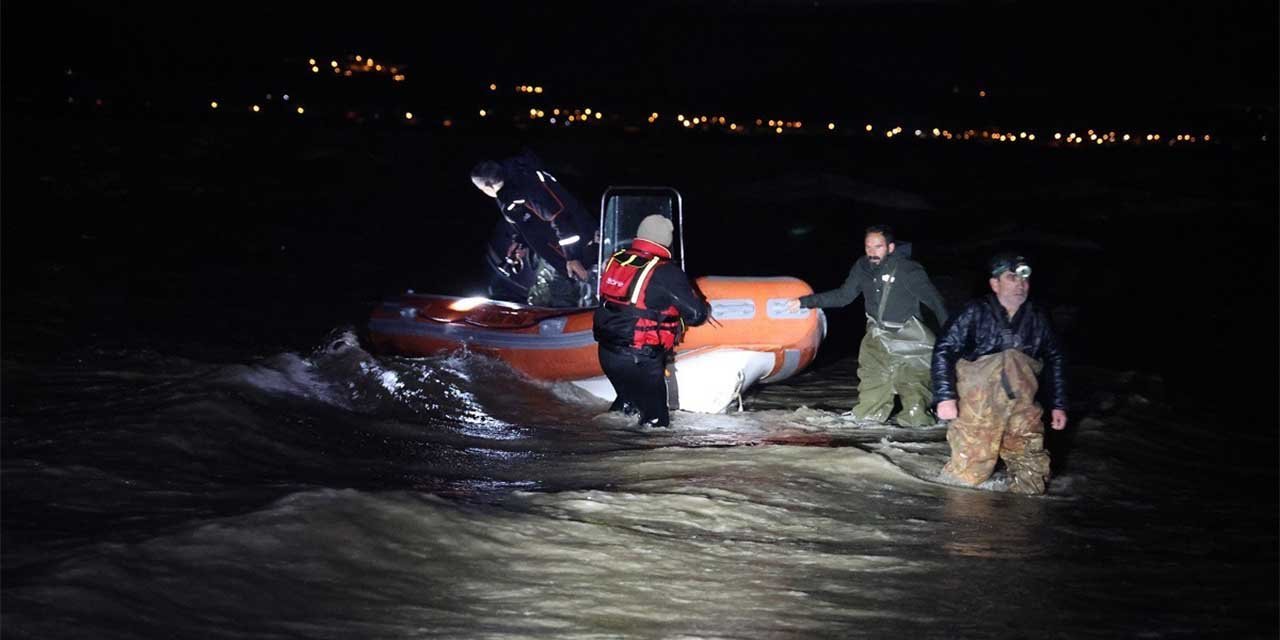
[{"x": 838, "y": 297}]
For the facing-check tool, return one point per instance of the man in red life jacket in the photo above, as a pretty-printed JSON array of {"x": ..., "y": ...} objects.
[{"x": 647, "y": 301}]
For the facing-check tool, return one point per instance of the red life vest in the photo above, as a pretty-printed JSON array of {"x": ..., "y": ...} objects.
[{"x": 625, "y": 282}]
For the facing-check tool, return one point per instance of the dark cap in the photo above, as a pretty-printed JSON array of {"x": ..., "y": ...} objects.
[{"x": 1009, "y": 261}]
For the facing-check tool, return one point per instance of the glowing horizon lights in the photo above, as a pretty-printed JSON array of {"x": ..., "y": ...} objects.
[{"x": 346, "y": 66}]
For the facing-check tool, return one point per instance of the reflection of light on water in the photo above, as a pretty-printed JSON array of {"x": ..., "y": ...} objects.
[{"x": 972, "y": 514}]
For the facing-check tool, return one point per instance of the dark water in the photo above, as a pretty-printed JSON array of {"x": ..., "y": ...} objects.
[{"x": 195, "y": 443}]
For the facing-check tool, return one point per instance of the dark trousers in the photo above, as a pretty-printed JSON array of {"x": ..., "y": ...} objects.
[{"x": 638, "y": 379}]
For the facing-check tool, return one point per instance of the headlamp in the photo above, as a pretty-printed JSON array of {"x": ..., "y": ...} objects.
[{"x": 1012, "y": 262}]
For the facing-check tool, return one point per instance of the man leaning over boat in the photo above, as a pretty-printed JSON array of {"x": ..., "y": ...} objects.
[{"x": 547, "y": 220}]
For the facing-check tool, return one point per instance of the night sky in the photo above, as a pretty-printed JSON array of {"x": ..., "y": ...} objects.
[{"x": 1051, "y": 61}]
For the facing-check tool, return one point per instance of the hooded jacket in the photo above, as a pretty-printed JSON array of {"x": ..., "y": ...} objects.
[
  {"x": 984, "y": 327},
  {"x": 910, "y": 288}
]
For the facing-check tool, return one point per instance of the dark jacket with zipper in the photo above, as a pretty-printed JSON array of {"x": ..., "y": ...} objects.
[
  {"x": 911, "y": 286},
  {"x": 984, "y": 328},
  {"x": 543, "y": 215}
]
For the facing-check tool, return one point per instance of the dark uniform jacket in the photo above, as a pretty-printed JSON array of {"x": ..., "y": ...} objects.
[
  {"x": 668, "y": 289},
  {"x": 911, "y": 286},
  {"x": 544, "y": 215},
  {"x": 983, "y": 328}
]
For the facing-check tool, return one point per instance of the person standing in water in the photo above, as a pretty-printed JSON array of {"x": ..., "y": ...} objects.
[
  {"x": 986, "y": 371},
  {"x": 893, "y": 359},
  {"x": 646, "y": 303}
]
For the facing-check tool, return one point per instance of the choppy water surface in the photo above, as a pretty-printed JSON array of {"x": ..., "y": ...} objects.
[{"x": 338, "y": 495}]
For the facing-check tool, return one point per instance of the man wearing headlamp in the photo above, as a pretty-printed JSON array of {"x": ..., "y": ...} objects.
[{"x": 986, "y": 369}]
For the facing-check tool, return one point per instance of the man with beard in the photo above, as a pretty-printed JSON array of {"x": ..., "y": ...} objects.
[
  {"x": 985, "y": 378},
  {"x": 893, "y": 358}
]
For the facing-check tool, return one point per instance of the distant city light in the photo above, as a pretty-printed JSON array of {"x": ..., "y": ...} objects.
[{"x": 778, "y": 125}]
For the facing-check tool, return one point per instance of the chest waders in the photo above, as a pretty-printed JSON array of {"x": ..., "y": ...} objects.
[
  {"x": 999, "y": 419},
  {"x": 893, "y": 360}
]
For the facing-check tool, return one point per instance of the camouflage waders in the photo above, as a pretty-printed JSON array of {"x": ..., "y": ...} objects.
[
  {"x": 552, "y": 289},
  {"x": 998, "y": 417},
  {"x": 895, "y": 361}
]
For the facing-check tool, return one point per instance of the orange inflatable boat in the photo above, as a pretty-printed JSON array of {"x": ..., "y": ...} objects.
[{"x": 752, "y": 338}]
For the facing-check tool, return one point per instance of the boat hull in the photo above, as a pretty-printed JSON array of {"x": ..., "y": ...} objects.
[{"x": 752, "y": 338}]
